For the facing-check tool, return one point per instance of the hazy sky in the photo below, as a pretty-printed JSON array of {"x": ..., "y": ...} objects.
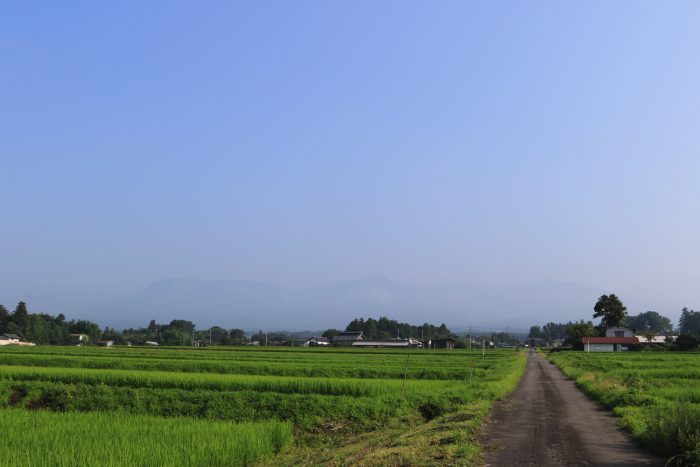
[{"x": 302, "y": 143}]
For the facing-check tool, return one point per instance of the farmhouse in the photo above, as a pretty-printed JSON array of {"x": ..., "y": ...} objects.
[
  {"x": 317, "y": 341},
  {"x": 7, "y": 339},
  {"x": 13, "y": 339},
  {"x": 107, "y": 343},
  {"x": 347, "y": 338},
  {"x": 617, "y": 339}
]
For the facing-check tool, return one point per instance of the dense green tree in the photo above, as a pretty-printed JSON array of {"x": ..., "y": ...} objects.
[
  {"x": 689, "y": 322},
  {"x": 385, "y": 328},
  {"x": 92, "y": 330},
  {"x": 4, "y": 317},
  {"x": 19, "y": 317},
  {"x": 649, "y": 321},
  {"x": 330, "y": 333},
  {"x": 235, "y": 337},
  {"x": 536, "y": 333},
  {"x": 576, "y": 331},
  {"x": 35, "y": 329},
  {"x": 610, "y": 309}
]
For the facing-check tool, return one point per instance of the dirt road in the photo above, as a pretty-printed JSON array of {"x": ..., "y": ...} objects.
[{"x": 549, "y": 421}]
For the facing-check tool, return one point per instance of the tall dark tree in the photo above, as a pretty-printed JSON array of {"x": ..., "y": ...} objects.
[
  {"x": 689, "y": 322},
  {"x": 19, "y": 317},
  {"x": 610, "y": 309},
  {"x": 4, "y": 317}
]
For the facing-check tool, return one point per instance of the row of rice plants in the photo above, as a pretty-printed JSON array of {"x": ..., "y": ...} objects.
[
  {"x": 111, "y": 439},
  {"x": 277, "y": 384},
  {"x": 222, "y": 352},
  {"x": 387, "y": 366},
  {"x": 654, "y": 393},
  {"x": 303, "y": 410}
]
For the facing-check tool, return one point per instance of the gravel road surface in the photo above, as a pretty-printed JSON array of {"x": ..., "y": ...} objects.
[{"x": 547, "y": 420}]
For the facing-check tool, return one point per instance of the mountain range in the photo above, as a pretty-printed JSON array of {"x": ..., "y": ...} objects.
[{"x": 254, "y": 305}]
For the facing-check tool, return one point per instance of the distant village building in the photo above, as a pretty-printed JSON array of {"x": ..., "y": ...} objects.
[
  {"x": 13, "y": 339},
  {"x": 391, "y": 343},
  {"x": 78, "y": 339},
  {"x": 442, "y": 343},
  {"x": 317, "y": 342},
  {"x": 8, "y": 339},
  {"x": 344, "y": 339},
  {"x": 151, "y": 343},
  {"x": 658, "y": 339},
  {"x": 105, "y": 343}
]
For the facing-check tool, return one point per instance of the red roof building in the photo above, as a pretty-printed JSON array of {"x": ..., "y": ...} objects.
[{"x": 608, "y": 344}]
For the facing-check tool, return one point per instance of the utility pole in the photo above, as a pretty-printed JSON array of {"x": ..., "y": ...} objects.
[
  {"x": 470, "y": 337},
  {"x": 265, "y": 338},
  {"x": 209, "y": 337},
  {"x": 483, "y": 348}
]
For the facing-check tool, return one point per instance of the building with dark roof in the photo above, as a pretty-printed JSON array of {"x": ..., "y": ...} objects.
[{"x": 347, "y": 338}]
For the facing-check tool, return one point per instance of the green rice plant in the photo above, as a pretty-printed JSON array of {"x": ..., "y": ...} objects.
[
  {"x": 114, "y": 439},
  {"x": 358, "y": 364},
  {"x": 280, "y": 384},
  {"x": 304, "y": 410}
]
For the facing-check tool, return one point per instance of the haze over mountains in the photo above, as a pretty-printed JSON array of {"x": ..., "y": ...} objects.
[{"x": 254, "y": 305}]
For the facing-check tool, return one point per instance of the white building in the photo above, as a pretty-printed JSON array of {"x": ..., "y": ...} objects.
[{"x": 8, "y": 339}]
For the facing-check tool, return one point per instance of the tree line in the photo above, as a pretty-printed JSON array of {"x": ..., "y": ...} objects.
[
  {"x": 612, "y": 312},
  {"x": 44, "y": 329},
  {"x": 385, "y": 328}
]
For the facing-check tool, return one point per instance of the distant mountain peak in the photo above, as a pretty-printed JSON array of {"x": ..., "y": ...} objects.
[{"x": 259, "y": 305}]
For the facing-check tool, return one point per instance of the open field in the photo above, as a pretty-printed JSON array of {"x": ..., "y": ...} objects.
[
  {"x": 655, "y": 394},
  {"x": 267, "y": 405}
]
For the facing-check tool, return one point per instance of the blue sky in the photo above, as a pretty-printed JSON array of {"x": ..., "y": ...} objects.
[{"x": 302, "y": 143}]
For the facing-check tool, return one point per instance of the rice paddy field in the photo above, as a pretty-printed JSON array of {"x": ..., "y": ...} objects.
[
  {"x": 246, "y": 406},
  {"x": 655, "y": 394}
]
